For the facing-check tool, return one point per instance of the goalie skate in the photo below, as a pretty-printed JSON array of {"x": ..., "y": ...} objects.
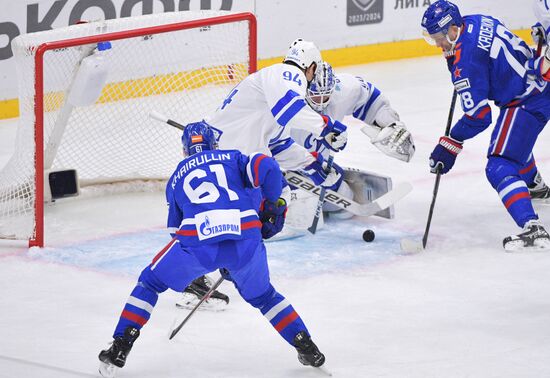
[
  {"x": 196, "y": 290},
  {"x": 533, "y": 237}
]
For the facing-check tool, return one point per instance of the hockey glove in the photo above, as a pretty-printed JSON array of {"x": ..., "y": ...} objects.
[
  {"x": 538, "y": 33},
  {"x": 394, "y": 140},
  {"x": 316, "y": 171},
  {"x": 272, "y": 215},
  {"x": 334, "y": 135},
  {"x": 444, "y": 155}
]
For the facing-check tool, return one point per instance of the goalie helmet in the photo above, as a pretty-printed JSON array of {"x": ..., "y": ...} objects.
[
  {"x": 303, "y": 53},
  {"x": 198, "y": 137},
  {"x": 438, "y": 18},
  {"x": 321, "y": 87}
]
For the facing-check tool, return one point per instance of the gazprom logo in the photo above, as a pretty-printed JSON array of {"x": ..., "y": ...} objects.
[{"x": 205, "y": 227}]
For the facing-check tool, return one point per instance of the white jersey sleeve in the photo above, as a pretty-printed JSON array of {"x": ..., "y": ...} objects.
[{"x": 542, "y": 12}]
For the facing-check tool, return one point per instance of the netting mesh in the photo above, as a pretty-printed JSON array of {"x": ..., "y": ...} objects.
[{"x": 184, "y": 74}]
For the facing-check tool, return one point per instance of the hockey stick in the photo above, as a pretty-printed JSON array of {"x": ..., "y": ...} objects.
[
  {"x": 412, "y": 246},
  {"x": 331, "y": 196},
  {"x": 319, "y": 208},
  {"x": 365, "y": 210},
  {"x": 204, "y": 298},
  {"x": 162, "y": 118}
]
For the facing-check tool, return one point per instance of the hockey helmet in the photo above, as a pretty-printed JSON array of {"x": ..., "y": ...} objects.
[
  {"x": 198, "y": 137},
  {"x": 304, "y": 53},
  {"x": 437, "y": 20},
  {"x": 321, "y": 88}
]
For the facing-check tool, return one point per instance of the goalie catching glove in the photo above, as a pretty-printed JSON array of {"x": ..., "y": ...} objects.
[
  {"x": 334, "y": 135},
  {"x": 272, "y": 215},
  {"x": 393, "y": 140},
  {"x": 317, "y": 172},
  {"x": 444, "y": 155}
]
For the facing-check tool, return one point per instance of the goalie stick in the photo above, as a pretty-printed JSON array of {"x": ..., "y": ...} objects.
[
  {"x": 335, "y": 198},
  {"x": 203, "y": 299},
  {"x": 412, "y": 246},
  {"x": 331, "y": 196},
  {"x": 322, "y": 194}
]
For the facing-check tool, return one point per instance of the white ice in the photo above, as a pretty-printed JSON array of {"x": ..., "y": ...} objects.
[{"x": 461, "y": 308}]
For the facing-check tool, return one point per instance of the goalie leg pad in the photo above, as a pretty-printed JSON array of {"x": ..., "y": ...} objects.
[
  {"x": 345, "y": 190},
  {"x": 367, "y": 186}
]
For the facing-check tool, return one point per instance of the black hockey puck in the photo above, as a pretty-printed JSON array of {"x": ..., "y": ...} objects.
[{"x": 368, "y": 236}]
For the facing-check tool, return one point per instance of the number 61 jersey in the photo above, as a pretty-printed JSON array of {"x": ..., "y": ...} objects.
[
  {"x": 490, "y": 64},
  {"x": 211, "y": 198}
]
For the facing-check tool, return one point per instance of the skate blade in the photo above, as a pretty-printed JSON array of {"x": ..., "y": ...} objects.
[
  {"x": 540, "y": 245},
  {"x": 324, "y": 370},
  {"x": 410, "y": 246},
  {"x": 189, "y": 301},
  {"x": 107, "y": 370}
]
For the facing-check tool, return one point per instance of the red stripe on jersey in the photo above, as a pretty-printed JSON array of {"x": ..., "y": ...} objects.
[
  {"x": 251, "y": 224},
  {"x": 504, "y": 131},
  {"x": 187, "y": 232},
  {"x": 133, "y": 317},
  {"x": 257, "y": 169},
  {"x": 515, "y": 198},
  {"x": 528, "y": 168},
  {"x": 286, "y": 321},
  {"x": 244, "y": 226},
  {"x": 484, "y": 112},
  {"x": 163, "y": 251}
]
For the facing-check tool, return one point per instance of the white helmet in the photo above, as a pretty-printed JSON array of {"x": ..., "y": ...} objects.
[
  {"x": 321, "y": 88},
  {"x": 303, "y": 53}
]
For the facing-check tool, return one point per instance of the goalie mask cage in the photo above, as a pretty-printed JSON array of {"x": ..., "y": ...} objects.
[{"x": 182, "y": 64}]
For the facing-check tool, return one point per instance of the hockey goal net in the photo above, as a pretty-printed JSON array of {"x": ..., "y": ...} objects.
[{"x": 181, "y": 64}]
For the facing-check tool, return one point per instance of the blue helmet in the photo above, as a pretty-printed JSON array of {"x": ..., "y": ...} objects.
[
  {"x": 198, "y": 137},
  {"x": 440, "y": 16}
]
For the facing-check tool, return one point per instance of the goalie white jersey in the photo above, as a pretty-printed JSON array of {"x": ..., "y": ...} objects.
[
  {"x": 542, "y": 12},
  {"x": 260, "y": 112},
  {"x": 352, "y": 96}
]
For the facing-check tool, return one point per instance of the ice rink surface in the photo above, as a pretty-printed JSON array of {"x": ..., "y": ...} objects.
[{"x": 461, "y": 308}]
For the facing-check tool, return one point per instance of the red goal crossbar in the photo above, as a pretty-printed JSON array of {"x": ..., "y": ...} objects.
[{"x": 38, "y": 239}]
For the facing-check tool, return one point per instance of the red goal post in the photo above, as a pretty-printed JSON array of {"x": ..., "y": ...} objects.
[{"x": 195, "y": 90}]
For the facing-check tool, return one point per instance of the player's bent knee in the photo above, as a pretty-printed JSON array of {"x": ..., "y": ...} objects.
[
  {"x": 149, "y": 280},
  {"x": 498, "y": 169},
  {"x": 264, "y": 299}
]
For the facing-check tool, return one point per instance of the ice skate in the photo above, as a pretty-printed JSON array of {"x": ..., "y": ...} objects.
[
  {"x": 308, "y": 353},
  {"x": 196, "y": 290},
  {"x": 115, "y": 357},
  {"x": 539, "y": 190},
  {"x": 533, "y": 237}
]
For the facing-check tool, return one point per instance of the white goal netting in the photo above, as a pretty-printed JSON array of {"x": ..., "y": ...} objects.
[{"x": 183, "y": 73}]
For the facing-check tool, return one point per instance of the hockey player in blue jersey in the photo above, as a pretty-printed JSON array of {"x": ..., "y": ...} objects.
[
  {"x": 215, "y": 225},
  {"x": 258, "y": 116},
  {"x": 488, "y": 62}
]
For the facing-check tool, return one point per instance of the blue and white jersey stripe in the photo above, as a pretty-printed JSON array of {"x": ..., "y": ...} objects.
[
  {"x": 287, "y": 107},
  {"x": 362, "y": 111}
]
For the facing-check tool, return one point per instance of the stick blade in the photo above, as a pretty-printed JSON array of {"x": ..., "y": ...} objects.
[{"x": 411, "y": 246}]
